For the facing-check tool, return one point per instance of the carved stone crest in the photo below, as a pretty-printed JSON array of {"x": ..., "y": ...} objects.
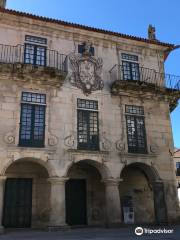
[{"x": 86, "y": 71}]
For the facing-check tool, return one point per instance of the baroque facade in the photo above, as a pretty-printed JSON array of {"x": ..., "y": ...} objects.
[
  {"x": 177, "y": 169},
  {"x": 85, "y": 131}
]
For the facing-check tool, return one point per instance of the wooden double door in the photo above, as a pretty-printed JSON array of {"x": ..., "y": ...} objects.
[
  {"x": 76, "y": 202},
  {"x": 17, "y": 203}
]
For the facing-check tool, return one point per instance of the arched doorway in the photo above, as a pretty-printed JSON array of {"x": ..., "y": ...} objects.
[
  {"x": 26, "y": 196},
  {"x": 85, "y": 194},
  {"x": 142, "y": 195}
]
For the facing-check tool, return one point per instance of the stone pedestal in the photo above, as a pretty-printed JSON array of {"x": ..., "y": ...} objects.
[
  {"x": 2, "y": 183},
  {"x": 113, "y": 205},
  {"x": 57, "y": 199}
]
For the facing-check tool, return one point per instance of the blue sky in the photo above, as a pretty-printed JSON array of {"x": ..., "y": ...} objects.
[{"x": 129, "y": 17}]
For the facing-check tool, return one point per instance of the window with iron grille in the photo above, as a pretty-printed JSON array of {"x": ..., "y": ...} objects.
[
  {"x": 130, "y": 67},
  {"x": 35, "y": 50},
  {"x": 136, "y": 133},
  {"x": 87, "y": 124},
  {"x": 32, "y": 123}
]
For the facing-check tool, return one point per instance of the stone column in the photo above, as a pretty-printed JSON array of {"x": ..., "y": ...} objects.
[
  {"x": 113, "y": 205},
  {"x": 2, "y": 183},
  {"x": 57, "y": 199}
]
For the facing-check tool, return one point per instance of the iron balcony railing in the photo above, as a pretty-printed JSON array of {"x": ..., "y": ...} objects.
[
  {"x": 145, "y": 76},
  {"x": 39, "y": 56}
]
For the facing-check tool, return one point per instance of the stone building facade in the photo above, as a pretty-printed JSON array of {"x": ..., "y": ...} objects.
[
  {"x": 177, "y": 169},
  {"x": 85, "y": 131}
]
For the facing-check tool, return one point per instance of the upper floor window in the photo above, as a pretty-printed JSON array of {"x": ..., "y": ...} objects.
[
  {"x": 136, "y": 133},
  {"x": 32, "y": 123},
  {"x": 130, "y": 67},
  {"x": 178, "y": 169},
  {"x": 35, "y": 50},
  {"x": 87, "y": 124},
  {"x": 81, "y": 49}
]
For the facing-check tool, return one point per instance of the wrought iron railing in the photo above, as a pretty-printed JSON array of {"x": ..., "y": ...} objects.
[
  {"x": 18, "y": 54},
  {"x": 145, "y": 76}
]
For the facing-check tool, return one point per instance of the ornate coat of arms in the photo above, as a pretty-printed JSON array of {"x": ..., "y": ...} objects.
[{"x": 86, "y": 71}]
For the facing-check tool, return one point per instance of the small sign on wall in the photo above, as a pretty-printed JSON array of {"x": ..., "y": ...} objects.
[{"x": 128, "y": 210}]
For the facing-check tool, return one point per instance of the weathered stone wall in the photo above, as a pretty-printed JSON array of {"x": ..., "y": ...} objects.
[{"x": 60, "y": 150}]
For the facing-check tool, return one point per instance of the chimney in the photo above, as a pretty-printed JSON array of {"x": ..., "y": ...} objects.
[{"x": 2, "y": 3}]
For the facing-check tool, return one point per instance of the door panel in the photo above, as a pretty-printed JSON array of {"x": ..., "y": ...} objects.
[
  {"x": 76, "y": 202},
  {"x": 17, "y": 203}
]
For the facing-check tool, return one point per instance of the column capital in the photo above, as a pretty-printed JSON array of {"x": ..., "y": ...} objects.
[
  {"x": 3, "y": 178},
  {"x": 57, "y": 180},
  {"x": 112, "y": 181}
]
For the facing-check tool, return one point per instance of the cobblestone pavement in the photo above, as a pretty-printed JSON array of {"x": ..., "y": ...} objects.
[{"x": 90, "y": 234}]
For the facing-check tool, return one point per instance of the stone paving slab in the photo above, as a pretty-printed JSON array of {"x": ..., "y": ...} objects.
[{"x": 89, "y": 234}]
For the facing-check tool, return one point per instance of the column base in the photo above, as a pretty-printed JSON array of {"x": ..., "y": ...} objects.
[{"x": 58, "y": 228}]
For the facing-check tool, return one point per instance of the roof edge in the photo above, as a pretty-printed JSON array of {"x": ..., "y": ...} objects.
[{"x": 84, "y": 27}]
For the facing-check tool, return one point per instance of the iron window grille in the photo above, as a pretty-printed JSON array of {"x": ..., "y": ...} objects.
[
  {"x": 32, "y": 121},
  {"x": 130, "y": 67},
  {"x": 87, "y": 124},
  {"x": 35, "y": 50},
  {"x": 136, "y": 132}
]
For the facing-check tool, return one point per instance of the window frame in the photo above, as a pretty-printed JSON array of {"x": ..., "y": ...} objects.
[
  {"x": 34, "y": 55},
  {"x": 129, "y": 63},
  {"x": 35, "y": 45},
  {"x": 32, "y": 142},
  {"x": 89, "y": 145},
  {"x": 81, "y": 49},
  {"x": 134, "y": 117}
]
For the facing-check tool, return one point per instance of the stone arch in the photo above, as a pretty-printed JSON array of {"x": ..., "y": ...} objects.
[
  {"x": 27, "y": 175},
  {"x": 86, "y": 186},
  {"x": 150, "y": 172},
  {"x": 49, "y": 169},
  {"x": 137, "y": 191},
  {"x": 102, "y": 168}
]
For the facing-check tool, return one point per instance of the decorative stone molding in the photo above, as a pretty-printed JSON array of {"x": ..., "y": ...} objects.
[
  {"x": 154, "y": 148},
  {"x": 9, "y": 137},
  {"x": 86, "y": 71},
  {"x": 106, "y": 144},
  {"x": 39, "y": 75},
  {"x": 111, "y": 182},
  {"x": 52, "y": 140},
  {"x": 57, "y": 180},
  {"x": 2, "y": 179},
  {"x": 120, "y": 146},
  {"x": 69, "y": 141}
]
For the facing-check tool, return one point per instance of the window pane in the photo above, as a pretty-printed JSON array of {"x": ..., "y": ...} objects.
[
  {"x": 88, "y": 137},
  {"x": 26, "y": 123},
  {"x": 129, "y": 57},
  {"x": 34, "y": 39},
  {"x": 136, "y": 135},
  {"x": 135, "y": 71},
  {"x": 40, "y": 56},
  {"x": 87, "y": 104},
  {"x": 126, "y": 67},
  {"x": 82, "y": 127},
  {"x": 138, "y": 110},
  {"x": 39, "y": 118},
  {"x": 33, "y": 97},
  {"x": 29, "y": 54}
]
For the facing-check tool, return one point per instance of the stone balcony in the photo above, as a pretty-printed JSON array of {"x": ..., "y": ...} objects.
[
  {"x": 48, "y": 69},
  {"x": 143, "y": 80}
]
